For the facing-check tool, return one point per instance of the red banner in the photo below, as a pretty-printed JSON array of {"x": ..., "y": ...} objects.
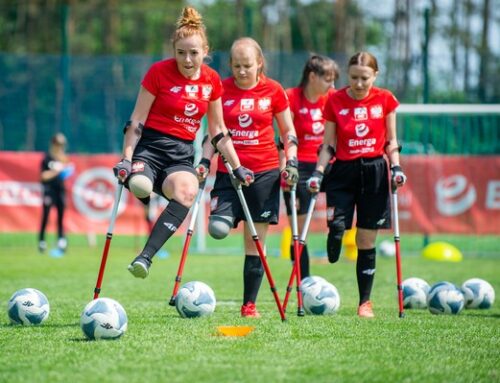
[{"x": 444, "y": 194}]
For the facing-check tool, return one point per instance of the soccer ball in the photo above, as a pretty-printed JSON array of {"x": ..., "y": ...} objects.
[
  {"x": 311, "y": 280},
  {"x": 387, "y": 248},
  {"x": 320, "y": 298},
  {"x": 441, "y": 284},
  {"x": 478, "y": 294},
  {"x": 195, "y": 299},
  {"x": 28, "y": 307},
  {"x": 445, "y": 300},
  {"x": 103, "y": 318},
  {"x": 415, "y": 292}
]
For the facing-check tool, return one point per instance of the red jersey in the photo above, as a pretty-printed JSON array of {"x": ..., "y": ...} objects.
[
  {"x": 309, "y": 122},
  {"x": 360, "y": 124},
  {"x": 180, "y": 103},
  {"x": 248, "y": 114}
]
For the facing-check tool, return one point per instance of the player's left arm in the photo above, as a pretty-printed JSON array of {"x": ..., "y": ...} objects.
[
  {"x": 289, "y": 139},
  {"x": 392, "y": 150}
]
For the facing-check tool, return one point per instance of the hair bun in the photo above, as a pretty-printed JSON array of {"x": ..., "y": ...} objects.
[{"x": 190, "y": 18}]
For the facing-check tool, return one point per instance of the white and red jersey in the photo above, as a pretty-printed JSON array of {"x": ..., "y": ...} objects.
[
  {"x": 360, "y": 124},
  {"x": 248, "y": 115},
  {"x": 180, "y": 102},
  {"x": 309, "y": 122}
]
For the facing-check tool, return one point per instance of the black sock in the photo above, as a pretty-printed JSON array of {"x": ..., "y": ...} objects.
[
  {"x": 365, "y": 272},
  {"x": 304, "y": 261},
  {"x": 166, "y": 225},
  {"x": 252, "y": 278}
]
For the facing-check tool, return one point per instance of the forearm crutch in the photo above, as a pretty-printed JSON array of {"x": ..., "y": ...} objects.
[
  {"x": 302, "y": 241},
  {"x": 398, "y": 249},
  {"x": 255, "y": 237},
  {"x": 187, "y": 241},
  {"x": 109, "y": 236}
]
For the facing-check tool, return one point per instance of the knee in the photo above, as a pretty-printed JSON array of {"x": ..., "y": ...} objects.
[
  {"x": 219, "y": 226},
  {"x": 140, "y": 186},
  {"x": 334, "y": 241}
]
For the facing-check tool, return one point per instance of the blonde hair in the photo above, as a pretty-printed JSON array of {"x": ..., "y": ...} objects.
[
  {"x": 255, "y": 45},
  {"x": 190, "y": 23}
]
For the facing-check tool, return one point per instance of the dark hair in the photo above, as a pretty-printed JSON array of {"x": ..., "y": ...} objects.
[
  {"x": 364, "y": 59},
  {"x": 320, "y": 65}
]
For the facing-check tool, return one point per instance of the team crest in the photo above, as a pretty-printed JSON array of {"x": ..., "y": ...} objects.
[
  {"x": 264, "y": 103},
  {"x": 376, "y": 111},
  {"x": 191, "y": 90},
  {"x": 360, "y": 113},
  {"x": 316, "y": 114},
  {"x": 246, "y": 104},
  {"x": 330, "y": 213},
  {"x": 206, "y": 91},
  {"x": 137, "y": 167}
]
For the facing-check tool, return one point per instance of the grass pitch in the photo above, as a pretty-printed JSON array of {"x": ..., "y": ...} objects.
[{"x": 160, "y": 346}]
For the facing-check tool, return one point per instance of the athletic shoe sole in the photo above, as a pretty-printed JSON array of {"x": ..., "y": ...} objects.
[{"x": 138, "y": 270}]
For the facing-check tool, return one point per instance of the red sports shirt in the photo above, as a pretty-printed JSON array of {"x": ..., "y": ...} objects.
[
  {"x": 309, "y": 122},
  {"x": 180, "y": 103},
  {"x": 360, "y": 124},
  {"x": 248, "y": 114}
]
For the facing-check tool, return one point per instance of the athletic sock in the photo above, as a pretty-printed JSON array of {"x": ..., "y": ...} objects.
[
  {"x": 365, "y": 273},
  {"x": 252, "y": 278},
  {"x": 166, "y": 225},
  {"x": 304, "y": 261}
]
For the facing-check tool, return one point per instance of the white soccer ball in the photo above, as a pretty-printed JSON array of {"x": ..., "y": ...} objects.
[
  {"x": 478, "y": 293},
  {"x": 415, "y": 292},
  {"x": 311, "y": 280},
  {"x": 445, "y": 299},
  {"x": 103, "y": 318},
  {"x": 28, "y": 307},
  {"x": 195, "y": 299},
  {"x": 387, "y": 248},
  {"x": 441, "y": 284},
  {"x": 320, "y": 298}
]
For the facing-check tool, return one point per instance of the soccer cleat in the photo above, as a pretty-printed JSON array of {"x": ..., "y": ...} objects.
[
  {"x": 365, "y": 310},
  {"x": 62, "y": 244},
  {"x": 139, "y": 267},
  {"x": 248, "y": 310},
  {"x": 42, "y": 246}
]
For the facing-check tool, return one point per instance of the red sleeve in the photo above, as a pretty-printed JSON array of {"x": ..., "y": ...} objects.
[
  {"x": 217, "y": 87},
  {"x": 391, "y": 102},
  {"x": 151, "y": 80},
  {"x": 280, "y": 99},
  {"x": 328, "y": 111}
]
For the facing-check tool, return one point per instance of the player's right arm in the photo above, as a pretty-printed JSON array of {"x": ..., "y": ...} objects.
[
  {"x": 133, "y": 132},
  {"x": 326, "y": 152}
]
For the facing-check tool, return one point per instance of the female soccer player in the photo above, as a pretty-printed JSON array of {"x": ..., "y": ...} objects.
[
  {"x": 250, "y": 102},
  {"x": 306, "y": 104},
  {"x": 158, "y": 146},
  {"x": 360, "y": 128},
  {"x": 54, "y": 170}
]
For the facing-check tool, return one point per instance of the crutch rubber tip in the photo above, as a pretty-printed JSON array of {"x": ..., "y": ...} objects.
[
  {"x": 401, "y": 315},
  {"x": 300, "y": 312},
  {"x": 172, "y": 301}
]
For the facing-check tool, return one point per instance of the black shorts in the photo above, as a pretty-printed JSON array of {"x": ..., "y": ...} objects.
[
  {"x": 362, "y": 184},
  {"x": 303, "y": 195},
  {"x": 262, "y": 198},
  {"x": 157, "y": 155}
]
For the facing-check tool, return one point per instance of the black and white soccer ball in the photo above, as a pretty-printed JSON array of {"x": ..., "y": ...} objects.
[
  {"x": 195, "y": 299},
  {"x": 415, "y": 292},
  {"x": 445, "y": 299},
  {"x": 478, "y": 293},
  {"x": 28, "y": 307},
  {"x": 103, "y": 318},
  {"x": 320, "y": 298}
]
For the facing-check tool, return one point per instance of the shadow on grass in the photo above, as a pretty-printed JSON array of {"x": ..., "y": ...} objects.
[
  {"x": 51, "y": 325},
  {"x": 482, "y": 315}
]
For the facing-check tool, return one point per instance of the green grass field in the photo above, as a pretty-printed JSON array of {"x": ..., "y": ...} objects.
[{"x": 160, "y": 346}]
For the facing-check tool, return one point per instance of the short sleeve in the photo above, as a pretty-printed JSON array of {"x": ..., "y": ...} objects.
[
  {"x": 328, "y": 111},
  {"x": 391, "y": 102},
  {"x": 218, "y": 90},
  {"x": 151, "y": 80},
  {"x": 280, "y": 99}
]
